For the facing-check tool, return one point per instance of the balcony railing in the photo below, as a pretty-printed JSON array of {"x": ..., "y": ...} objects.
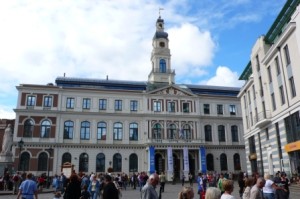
[
  {"x": 166, "y": 141},
  {"x": 262, "y": 118},
  {"x": 167, "y": 71}
]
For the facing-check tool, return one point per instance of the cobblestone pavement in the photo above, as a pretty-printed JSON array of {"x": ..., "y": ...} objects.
[{"x": 171, "y": 192}]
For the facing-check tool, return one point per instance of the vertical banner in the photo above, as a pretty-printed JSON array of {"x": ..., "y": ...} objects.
[
  {"x": 170, "y": 159},
  {"x": 151, "y": 159},
  {"x": 202, "y": 155},
  {"x": 186, "y": 159}
]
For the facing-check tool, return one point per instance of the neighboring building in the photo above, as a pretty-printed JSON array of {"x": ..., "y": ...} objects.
[
  {"x": 131, "y": 126},
  {"x": 270, "y": 98}
]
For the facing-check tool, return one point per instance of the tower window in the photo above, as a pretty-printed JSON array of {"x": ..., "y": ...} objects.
[
  {"x": 162, "y": 66},
  {"x": 162, "y": 44}
]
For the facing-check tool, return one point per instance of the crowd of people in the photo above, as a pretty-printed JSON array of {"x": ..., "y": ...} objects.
[{"x": 108, "y": 186}]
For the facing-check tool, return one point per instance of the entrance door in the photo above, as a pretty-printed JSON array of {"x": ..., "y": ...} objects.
[
  {"x": 159, "y": 163},
  {"x": 192, "y": 164},
  {"x": 176, "y": 164}
]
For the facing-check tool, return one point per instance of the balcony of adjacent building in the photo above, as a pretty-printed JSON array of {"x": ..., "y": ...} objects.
[
  {"x": 262, "y": 119},
  {"x": 172, "y": 141}
]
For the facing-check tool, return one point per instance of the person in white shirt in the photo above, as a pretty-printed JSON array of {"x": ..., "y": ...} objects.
[{"x": 270, "y": 186}]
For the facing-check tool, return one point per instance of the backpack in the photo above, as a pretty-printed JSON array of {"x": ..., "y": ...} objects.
[{"x": 16, "y": 178}]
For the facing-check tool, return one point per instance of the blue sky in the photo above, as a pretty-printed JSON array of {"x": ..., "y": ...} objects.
[{"x": 210, "y": 41}]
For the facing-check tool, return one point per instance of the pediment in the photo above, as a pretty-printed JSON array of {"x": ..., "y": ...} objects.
[{"x": 172, "y": 90}]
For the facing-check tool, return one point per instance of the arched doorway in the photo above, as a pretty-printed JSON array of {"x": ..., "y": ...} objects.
[{"x": 159, "y": 163}]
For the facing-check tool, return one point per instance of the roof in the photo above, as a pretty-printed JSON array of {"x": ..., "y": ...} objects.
[
  {"x": 158, "y": 35},
  {"x": 71, "y": 82},
  {"x": 247, "y": 72}
]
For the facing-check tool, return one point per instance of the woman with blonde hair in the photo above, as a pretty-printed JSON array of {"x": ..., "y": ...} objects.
[
  {"x": 228, "y": 189},
  {"x": 186, "y": 193},
  {"x": 213, "y": 193}
]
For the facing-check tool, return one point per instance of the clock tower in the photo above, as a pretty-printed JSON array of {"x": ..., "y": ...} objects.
[{"x": 161, "y": 72}]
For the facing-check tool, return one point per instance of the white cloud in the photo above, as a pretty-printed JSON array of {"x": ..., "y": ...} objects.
[
  {"x": 225, "y": 77},
  {"x": 7, "y": 113}
]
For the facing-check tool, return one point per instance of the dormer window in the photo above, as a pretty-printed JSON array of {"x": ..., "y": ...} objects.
[{"x": 162, "y": 66}]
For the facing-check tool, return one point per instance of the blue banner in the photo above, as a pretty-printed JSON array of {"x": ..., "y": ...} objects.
[
  {"x": 152, "y": 159},
  {"x": 203, "y": 159}
]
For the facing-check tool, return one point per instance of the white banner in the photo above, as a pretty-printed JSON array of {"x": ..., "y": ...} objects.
[
  {"x": 186, "y": 159},
  {"x": 170, "y": 159}
]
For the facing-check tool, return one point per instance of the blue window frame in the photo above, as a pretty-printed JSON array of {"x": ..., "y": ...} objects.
[
  {"x": 133, "y": 131},
  {"x": 68, "y": 129},
  {"x": 133, "y": 105},
  {"x": 101, "y": 131},
  {"x": 102, "y": 104},
  {"x": 45, "y": 129},
  {"x": 118, "y": 105},
  {"x": 85, "y": 130},
  {"x": 118, "y": 131},
  {"x": 48, "y": 101},
  {"x": 30, "y": 100},
  {"x": 162, "y": 66},
  {"x": 86, "y": 103},
  {"x": 70, "y": 103}
]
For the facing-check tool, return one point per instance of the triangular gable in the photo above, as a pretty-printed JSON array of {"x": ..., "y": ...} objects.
[{"x": 172, "y": 90}]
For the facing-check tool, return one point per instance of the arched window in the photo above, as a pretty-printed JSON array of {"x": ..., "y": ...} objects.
[
  {"x": 117, "y": 162},
  {"x": 210, "y": 162},
  {"x": 133, "y": 163},
  {"x": 156, "y": 131},
  {"x": 162, "y": 66},
  {"x": 84, "y": 162},
  {"x": 45, "y": 129},
  {"x": 187, "y": 132},
  {"x": 101, "y": 131},
  {"x": 42, "y": 161},
  {"x": 24, "y": 162},
  {"x": 66, "y": 158},
  {"x": 172, "y": 131},
  {"x": 118, "y": 131},
  {"x": 28, "y": 128},
  {"x": 100, "y": 163},
  {"x": 208, "y": 134},
  {"x": 68, "y": 129},
  {"x": 85, "y": 130},
  {"x": 133, "y": 131},
  {"x": 223, "y": 162},
  {"x": 221, "y": 132},
  {"x": 234, "y": 133},
  {"x": 237, "y": 161}
]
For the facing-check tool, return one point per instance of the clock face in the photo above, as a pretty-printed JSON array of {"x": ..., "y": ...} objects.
[{"x": 162, "y": 44}]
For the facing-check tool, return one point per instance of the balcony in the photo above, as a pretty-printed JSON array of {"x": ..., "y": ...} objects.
[
  {"x": 171, "y": 141},
  {"x": 262, "y": 119}
]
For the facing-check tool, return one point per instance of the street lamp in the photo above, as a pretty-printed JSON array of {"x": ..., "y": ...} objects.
[
  {"x": 20, "y": 144},
  {"x": 50, "y": 150}
]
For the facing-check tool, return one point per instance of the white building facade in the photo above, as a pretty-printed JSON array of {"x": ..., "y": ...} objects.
[
  {"x": 270, "y": 98},
  {"x": 130, "y": 126}
]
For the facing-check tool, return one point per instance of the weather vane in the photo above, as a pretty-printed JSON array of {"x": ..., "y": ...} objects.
[{"x": 159, "y": 11}]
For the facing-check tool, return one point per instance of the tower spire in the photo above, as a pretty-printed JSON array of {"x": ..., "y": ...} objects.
[{"x": 159, "y": 9}]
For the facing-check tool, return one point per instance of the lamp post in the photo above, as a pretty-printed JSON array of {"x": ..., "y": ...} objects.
[
  {"x": 20, "y": 144},
  {"x": 50, "y": 150}
]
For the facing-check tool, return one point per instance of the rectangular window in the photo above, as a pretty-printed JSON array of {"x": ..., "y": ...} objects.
[
  {"x": 249, "y": 97},
  {"x": 261, "y": 87},
  {"x": 273, "y": 101},
  {"x": 292, "y": 86},
  {"x": 252, "y": 147},
  {"x": 171, "y": 107},
  {"x": 277, "y": 66},
  {"x": 251, "y": 119},
  {"x": 86, "y": 103},
  {"x": 70, "y": 102},
  {"x": 220, "y": 109},
  {"x": 267, "y": 133},
  {"x": 186, "y": 107},
  {"x": 206, "y": 109},
  {"x": 257, "y": 63},
  {"x": 232, "y": 109},
  {"x": 157, "y": 106},
  {"x": 281, "y": 91},
  {"x": 102, "y": 104},
  {"x": 133, "y": 105},
  {"x": 287, "y": 55},
  {"x": 118, "y": 105},
  {"x": 234, "y": 133},
  {"x": 270, "y": 74},
  {"x": 253, "y": 92},
  {"x": 245, "y": 102},
  {"x": 48, "y": 101},
  {"x": 30, "y": 100}
]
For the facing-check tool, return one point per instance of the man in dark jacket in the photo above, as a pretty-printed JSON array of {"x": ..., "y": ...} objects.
[{"x": 110, "y": 190}]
